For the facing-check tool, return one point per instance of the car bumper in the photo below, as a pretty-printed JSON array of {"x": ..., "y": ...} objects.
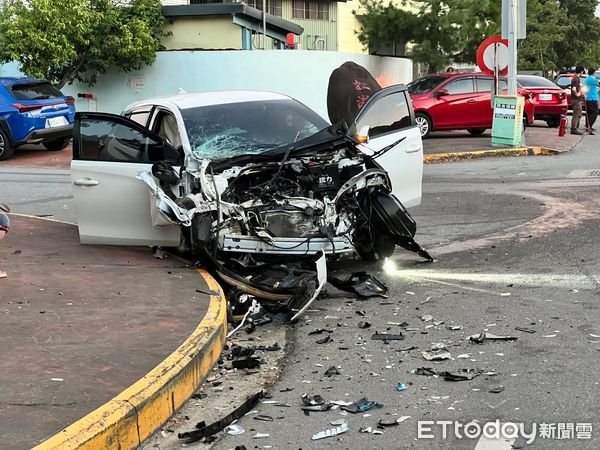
[
  {"x": 49, "y": 134},
  {"x": 286, "y": 246},
  {"x": 550, "y": 111}
]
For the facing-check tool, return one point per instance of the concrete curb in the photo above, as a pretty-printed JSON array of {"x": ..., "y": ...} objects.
[
  {"x": 133, "y": 415},
  {"x": 503, "y": 152}
]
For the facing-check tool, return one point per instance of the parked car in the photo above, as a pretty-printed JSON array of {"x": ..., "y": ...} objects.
[
  {"x": 33, "y": 111},
  {"x": 458, "y": 101},
  {"x": 550, "y": 100}
]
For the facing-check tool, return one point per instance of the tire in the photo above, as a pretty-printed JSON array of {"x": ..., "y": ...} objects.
[
  {"x": 424, "y": 124},
  {"x": 381, "y": 248},
  {"x": 554, "y": 122},
  {"x": 6, "y": 149},
  {"x": 476, "y": 131},
  {"x": 57, "y": 144}
]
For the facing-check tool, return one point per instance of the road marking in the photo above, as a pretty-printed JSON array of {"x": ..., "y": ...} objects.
[
  {"x": 584, "y": 173},
  {"x": 485, "y": 443}
]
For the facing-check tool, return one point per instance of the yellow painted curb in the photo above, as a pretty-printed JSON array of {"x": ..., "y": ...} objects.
[
  {"x": 133, "y": 415},
  {"x": 461, "y": 156}
]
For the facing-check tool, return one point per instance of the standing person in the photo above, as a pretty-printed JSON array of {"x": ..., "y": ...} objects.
[
  {"x": 576, "y": 100},
  {"x": 4, "y": 226},
  {"x": 591, "y": 100}
]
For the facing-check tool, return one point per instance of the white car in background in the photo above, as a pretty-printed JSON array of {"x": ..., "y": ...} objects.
[{"x": 243, "y": 172}]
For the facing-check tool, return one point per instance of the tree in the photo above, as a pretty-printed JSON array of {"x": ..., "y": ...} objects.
[
  {"x": 440, "y": 31},
  {"x": 547, "y": 28},
  {"x": 66, "y": 40},
  {"x": 582, "y": 43}
]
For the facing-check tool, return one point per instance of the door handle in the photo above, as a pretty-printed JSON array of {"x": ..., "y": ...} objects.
[
  {"x": 86, "y": 182},
  {"x": 413, "y": 149},
  {"x": 471, "y": 101}
]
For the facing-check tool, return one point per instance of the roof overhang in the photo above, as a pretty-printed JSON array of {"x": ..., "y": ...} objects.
[{"x": 250, "y": 17}]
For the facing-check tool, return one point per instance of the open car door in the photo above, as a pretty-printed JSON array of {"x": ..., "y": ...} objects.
[
  {"x": 113, "y": 206},
  {"x": 389, "y": 118}
]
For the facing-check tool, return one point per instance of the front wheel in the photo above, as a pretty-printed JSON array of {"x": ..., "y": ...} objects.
[
  {"x": 57, "y": 144},
  {"x": 381, "y": 247},
  {"x": 424, "y": 123},
  {"x": 554, "y": 122},
  {"x": 476, "y": 131},
  {"x": 6, "y": 149}
]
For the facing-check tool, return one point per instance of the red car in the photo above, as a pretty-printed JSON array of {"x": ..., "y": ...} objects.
[
  {"x": 550, "y": 100},
  {"x": 458, "y": 101}
]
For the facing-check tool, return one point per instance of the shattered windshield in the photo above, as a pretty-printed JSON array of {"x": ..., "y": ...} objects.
[{"x": 248, "y": 128}]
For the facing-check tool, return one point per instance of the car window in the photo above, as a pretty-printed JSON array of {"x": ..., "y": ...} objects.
[
  {"x": 104, "y": 140},
  {"x": 425, "y": 84},
  {"x": 165, "y": 126},
  {"x": 535, "y": 82},
  {"x": 246, "y": 128},
  {"x": 34, "y": 91},
  {"x": 139, "y": 116},
  {"x": 385, "y": 115},
  {"x": 564, "y": 82},
  {"x": 462, "y": 86},
  {"x": 484, "y": 84}
]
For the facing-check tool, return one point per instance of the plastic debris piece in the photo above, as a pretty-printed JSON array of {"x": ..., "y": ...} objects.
[
  {"x": 401, "y": 387},
  {"x": 427, "y": 318},
  {"x": 263, "y": 418},
  {"x": 57, "y": 379},
  {"x": 361, "y": 284},
  {"x": 549, "y": 336},
  {"x": 340, "y": 403},
  {"x": 427, "y": 371},
  {"x": 525, "y": 330},
  {"x": 361, "y": 405},
  {"x": 387, "y": 337},
  {"x": 391, "y": 422},
  {"x": 205, "y": 431},
  {"x": 454, "y": 327},
  {"x": 464, "y": 375},
  {"x": 366, "y": 430},
  {"x": 324, "y": 340},
  {"x": 594, "y": 335},
  {"x": 439, "y": 354},
  {"x": 377, "y": 432},
  {"x": 332, "y": 371},
  {"x": 337, "y": 423},
  {"x": 483, "y": 336},
  {"x": 407, "y": 349},
  {"x": 234, "y": 430},
  {"x": 364, "y": 325},
  {"x": 463, "y": 356},
  {"x": 437, "y": 323},
  {"x": 402, "y": 419},
  {"x": 320, "y": 331},
  {"x": 314, "y": 400},
  {"x": 331, "y": 432},
  {"x": 496, "y": 389},
  {"x": 261, "y": 435}
]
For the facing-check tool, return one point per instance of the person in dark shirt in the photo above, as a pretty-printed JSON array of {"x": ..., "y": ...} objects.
[{"x": 576, "y": 100}]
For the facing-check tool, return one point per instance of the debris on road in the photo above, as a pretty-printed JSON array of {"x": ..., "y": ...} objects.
[
  {"x": 331, "y": 432},
  {"x": 525, "y": 330},
  {"x": 437, "y": 352},
  {"x": 332, "y": 371},
  {"x": 401, "y": 387},
  {"x": 463, "y": 375},
  {"x": 364, "y": 325},
  {"x": 484, "y": 335},
  {"x": 387, "y": 337},
  {"x": 204, "y": 430},
  {"x": 361, "y": 284},
  {"x": 496, "y": 389},
  {"x": 361, "y": 405},
  {"x": 234, "y": 430},
  {"x": 324, "y": 340}
]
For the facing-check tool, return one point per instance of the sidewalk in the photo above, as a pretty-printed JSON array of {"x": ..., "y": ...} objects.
[
  {"x": 83, "y": 323},
  {"x": 461, "y": 141}
]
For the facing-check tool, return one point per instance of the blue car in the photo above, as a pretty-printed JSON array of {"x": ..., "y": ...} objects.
[{"x": 33, "y": 111}]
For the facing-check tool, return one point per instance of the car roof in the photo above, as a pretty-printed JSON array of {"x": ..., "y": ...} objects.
[
  {"x": 199, "y": 99},
  {"x": 7, "y": 81}
]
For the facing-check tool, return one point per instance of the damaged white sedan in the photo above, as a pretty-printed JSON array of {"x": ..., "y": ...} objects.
[{"x": 249, "y": 182}]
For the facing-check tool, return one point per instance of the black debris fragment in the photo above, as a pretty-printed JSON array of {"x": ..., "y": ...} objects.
[
  {"x": 204, "y": 431},
  {"x": 387, "y": 337},
  {"x": 525, "y": 330},
  {"x": 320, "y": 331},
  {"x": 263, "y": 418},
  {"x": 427, "y": 371},
  {"x": 324, "y": 340},
  {"x": 199, "y": 395},
  {"x": 361, "y": 284},
  {"x": 207, "y": 291},
  {"x": 364, "y": 325},
  {"x": 312, "y": 400},
  {"x": 463, "y": 375},
  {"x": 332, "y": 371},
  {"x": 496, "y": 389}
]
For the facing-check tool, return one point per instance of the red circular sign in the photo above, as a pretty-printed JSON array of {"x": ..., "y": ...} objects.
[{"x": 493, "y": 51}]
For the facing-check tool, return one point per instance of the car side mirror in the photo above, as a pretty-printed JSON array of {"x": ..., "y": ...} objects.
[
  {"x": 167, "y": 153},
  {"x": 363, "y": 134},
  {"x": 442, "y": 93}
]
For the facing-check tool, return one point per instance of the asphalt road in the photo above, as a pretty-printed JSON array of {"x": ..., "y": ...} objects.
[
  {"x": 520, "y": 226},
  {"x": 515, "y": 246}
]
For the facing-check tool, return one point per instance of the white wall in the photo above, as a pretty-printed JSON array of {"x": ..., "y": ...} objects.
[{"x": 303, "y": 75}]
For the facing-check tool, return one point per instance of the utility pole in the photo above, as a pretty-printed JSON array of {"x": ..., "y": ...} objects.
[
  {"x": 264, "y": 24},
  {"x": 512, "y": 47}
]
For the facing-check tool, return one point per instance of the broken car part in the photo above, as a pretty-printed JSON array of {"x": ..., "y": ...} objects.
[
  {"x": 387, "y": 337},
  {"x": 204, "y": 430},
  {"x": 484, "y": 335},
  {"x": 362, "y": 405},
  {"x": 361, "y": 284},
  {"x": 331, "y": 432}
]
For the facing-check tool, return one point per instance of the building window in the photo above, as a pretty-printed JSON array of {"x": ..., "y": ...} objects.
[
  {"x": 310, "y": 10},
  {"x": 273, "y": 6}
]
